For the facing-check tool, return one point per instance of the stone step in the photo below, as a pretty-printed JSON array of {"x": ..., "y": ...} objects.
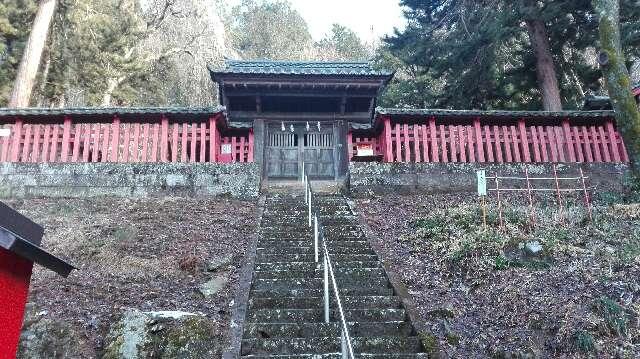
[
  {"x": 310, "y": 330},
  {"x": 379, "y": 345},
  {"x": 339, "y": 356},
  {"x": 344, "y": 292},
  {"x": 285, "y": 249},
  {"x": 317, "y": 283},
  {"x": 276, "y": 236},
  {"x": 360, "y": 273},
  {"x": 297, "y": 266},
  {"x": 275, "y": 258},
  {"x": 317, "y": 315},
  {"x": 363, "y": 302},
  {"x": 263, "y": 243}
]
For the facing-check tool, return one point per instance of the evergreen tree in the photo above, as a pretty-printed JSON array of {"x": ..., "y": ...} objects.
[
  {"x": 481, "y": 51},
  {"x": 342, "y": 44}
]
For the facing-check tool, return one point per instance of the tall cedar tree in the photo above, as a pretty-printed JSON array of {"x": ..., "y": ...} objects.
[{"x": 479, "y": 54}]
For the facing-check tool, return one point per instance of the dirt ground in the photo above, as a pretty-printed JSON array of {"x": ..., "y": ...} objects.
[
  {"x": 484, "y": 293},
  {"x": 147, "y": 254}
]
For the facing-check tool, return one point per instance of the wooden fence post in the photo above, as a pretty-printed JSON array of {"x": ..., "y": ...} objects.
[
  {"x": 479, "y": 141},
  {"x": 164, "y": 138},
  {"x": 524, "y": 140},
  {"x": 388, "y": 154},
  {"x": 115, "y": 142},
  {"x": 568, "y": 139},
  {"x": 213, "y": 139},
  {"x": 16, "y": 139}
]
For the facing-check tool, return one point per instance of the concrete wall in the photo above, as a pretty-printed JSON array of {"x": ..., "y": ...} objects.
[
  {"x": 19, "y": 180},
  {"x": 366, "y": 178}
]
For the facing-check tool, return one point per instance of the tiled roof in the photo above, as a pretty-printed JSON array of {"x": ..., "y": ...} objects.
[
  {"x": 267, "y": 67},
  {"x": 110, "y": 111},
  {"x": 494, "y": 114}
]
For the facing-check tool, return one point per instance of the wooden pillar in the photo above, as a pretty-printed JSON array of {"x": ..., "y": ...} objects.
[
  {"x": 350, "y": 145},
  {"x": 613, "y": 141},
  {"x": 213, "y": 139},
  {"x": 388, "y": 154},
  {"x": 251, "y": 141}
]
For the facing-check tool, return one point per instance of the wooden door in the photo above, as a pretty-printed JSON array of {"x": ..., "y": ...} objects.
[
  {"x": 282, "y": 155},
  {"x": 318, "y": 154}
]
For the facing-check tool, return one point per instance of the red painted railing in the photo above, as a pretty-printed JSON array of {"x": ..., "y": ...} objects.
[
  {"x": 430, "y": 141},
  {"x": 124, "y": 142}
]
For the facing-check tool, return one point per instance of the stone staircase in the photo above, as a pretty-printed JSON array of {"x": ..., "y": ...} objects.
[{"x": 285, "y": 315}]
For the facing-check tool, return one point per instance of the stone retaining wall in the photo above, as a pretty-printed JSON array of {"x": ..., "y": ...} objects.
[
  {"x": 238, "y": 180},
  {"x": 367, "y": 178}
]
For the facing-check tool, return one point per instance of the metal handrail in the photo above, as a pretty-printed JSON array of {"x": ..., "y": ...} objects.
[{"x": 346, "y": 345}]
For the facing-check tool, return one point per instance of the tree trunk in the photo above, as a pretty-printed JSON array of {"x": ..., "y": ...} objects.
[
  {"x": 617, "y": 78},
  {"x": 545, "y": 69},
  {"x": 28, "y": 69}
]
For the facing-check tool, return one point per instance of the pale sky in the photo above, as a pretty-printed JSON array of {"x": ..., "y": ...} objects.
[{"x": 358, "y": 15}]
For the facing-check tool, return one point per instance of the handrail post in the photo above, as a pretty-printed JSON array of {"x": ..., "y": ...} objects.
[
  {"x": 315, "y": 237},
  {"x": 310, "y": 200},
  {"x": 326, "y": 289}
]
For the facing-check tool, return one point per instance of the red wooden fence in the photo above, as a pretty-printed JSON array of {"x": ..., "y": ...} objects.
[
  {"x": 123, "y": 142},
  {"x": 430, "y": 141}
]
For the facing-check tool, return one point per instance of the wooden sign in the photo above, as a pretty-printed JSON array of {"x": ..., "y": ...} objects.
[
  {"x": 365, "y": 149},
  {"x": 482, "y": 182}
]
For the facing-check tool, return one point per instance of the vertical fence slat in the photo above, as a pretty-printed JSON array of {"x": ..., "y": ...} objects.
[
  {"x": 443, "y": 143},
  {"x": 516, "y": 141},
  {"x": 115, "y": 140},
  {"x": 479, "y": 140},
  {"x": 435, "y": 157},
  {"x": 77, "y": 137},
  {"x": 557, "y": 132},
  {"x": 36, "y": 143},
  {"x": 86, "y": 143},
  {"x": 578, "y": 144},
  {"x": 66, "y": 134},
  {"x": 174, "y": 143},
  {"x": 524, "y": 141},
  {"x": 416, "y": 143},
  {"x": 553, "y": 144},
  {"x": 183, "y": 143},
  {"x": 568, "y": 139},
  {"x": 213, "y": 140},
  {"x": 462, "y": 140},
  {"x": 164, "y": 139},
  {"x": 145, "y": 142},
  {"x": 55, "y": 139},
  {"x": 625, "y": 155},
  {"x": 397, "y": 143},
  {"x": 543, "y": 140},
  {"x": 587, "y": 144},
  {"x": 471, "y": 143},
  {"x": 16, "y": 139},
  {"x": 611, "y": 132},
  {"x": 490, "y": 141},
  {"x": 193, "y": 142},
  {"x": 251, "y": 144},
  {"x": 603, "y": 141},
  {"x": 242, "y": 149},
  {"x": 27, "y": 144},
  {"x": 536, "y": 144},
  {"x": 425, "y": 143},
  {"x": 498, "y": 144},
  {"x": 506, "y": 138},
  {"x": 203, "y": 142},
  {"x": 407, "y": 146},
  {"x": 126, "y": 145},
  {"x": 350, "y": 145},
  {"x": 453, "y": 143},
  {"x": 155, "y": 142},
  {"x": 595, "y": 143},
  {"x": 135, "y": 146},
  {"x": 234, "y": 152},
  {"x": 104, "y": 155},
  {"x": 387, "y": 140}
]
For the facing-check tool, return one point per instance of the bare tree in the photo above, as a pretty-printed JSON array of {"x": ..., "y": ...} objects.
[{"x": 28, "y": 69}]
